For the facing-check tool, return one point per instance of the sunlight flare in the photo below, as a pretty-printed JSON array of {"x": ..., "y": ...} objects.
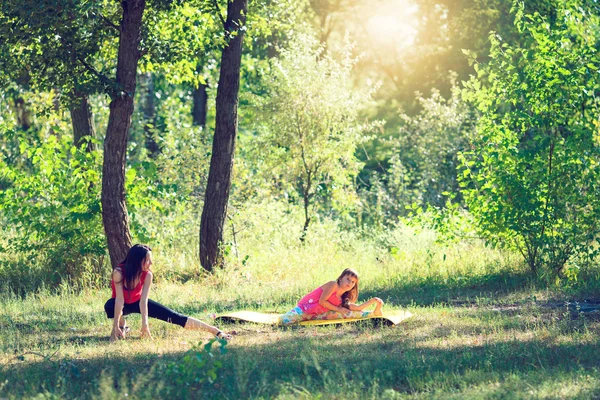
[{"x": 393, "y": 23}]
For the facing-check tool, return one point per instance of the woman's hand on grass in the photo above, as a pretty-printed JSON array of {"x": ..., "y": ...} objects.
[
  {"x": 116, "y": 334},
  {"x": 146, "y": 332}
]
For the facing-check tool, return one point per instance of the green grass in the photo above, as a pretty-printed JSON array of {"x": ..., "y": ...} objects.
[
  {"x": 482, "y": 328},
  {"x": 58, "y": 345}
]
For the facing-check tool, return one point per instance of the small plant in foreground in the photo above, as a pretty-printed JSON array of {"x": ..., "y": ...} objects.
[{"x": 198, "y": 366}]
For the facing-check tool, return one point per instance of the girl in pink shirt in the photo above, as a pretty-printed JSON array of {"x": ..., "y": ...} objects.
[{"x": 333, "y": 300}]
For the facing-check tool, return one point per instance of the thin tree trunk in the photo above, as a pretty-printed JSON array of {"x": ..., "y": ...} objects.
[
  {"x": 22, "y": 113},
  {"x": 56, "y": 99},
  {"x": 306, "y": 217},
  {"x": 82, "y": 120},
  {"x": 200, "y": 107},
  {"x": 221, "y": 161},
  {"x": 149, "y": 109},
  {"x": 114, "y": 209}
]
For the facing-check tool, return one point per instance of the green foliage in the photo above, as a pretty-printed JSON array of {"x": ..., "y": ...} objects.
[
  {"x": 51, "y": 201},
  {"x": 165, "y": 193},
  {"x": 309, "y": 125},
  {"x": 198, "y": 366},
  {"x": 49, "y": 44},
  {"x": 423, "y": 162},
  {"x": 451, "y": 222},
  {"x": 180, "y": 37},
  {"x": 529, "y": 178}
]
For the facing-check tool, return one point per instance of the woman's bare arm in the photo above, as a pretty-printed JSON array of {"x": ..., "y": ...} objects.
[{"x": 144, "y": 305}]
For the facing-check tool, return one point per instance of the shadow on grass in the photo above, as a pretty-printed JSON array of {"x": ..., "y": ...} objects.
[
  {"x": 337, "y": 366},
  {"x": 457, "y": 291},
  {"x": 36, "y": 322},
  {"x": 332, "y": 361}
]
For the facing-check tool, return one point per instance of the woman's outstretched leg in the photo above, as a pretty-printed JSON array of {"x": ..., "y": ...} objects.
[
  {"x": 157, "y": 310},
  {"x": 196, "y": 324}
]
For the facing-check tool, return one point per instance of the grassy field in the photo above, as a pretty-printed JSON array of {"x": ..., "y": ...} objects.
[{"x": 482, "y": 328}]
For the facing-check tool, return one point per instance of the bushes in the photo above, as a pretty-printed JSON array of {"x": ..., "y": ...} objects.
[
  {"x": 529, "y": 178},
  {"x": 51, "y": 201},
  {"x": 422, "y": 168}
]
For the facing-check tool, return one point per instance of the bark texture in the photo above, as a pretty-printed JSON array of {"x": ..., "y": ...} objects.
[
  {"x": 82, "y": 120},
  {"x": 114, "y": 209},
  {"x": 221, "y": 161}
]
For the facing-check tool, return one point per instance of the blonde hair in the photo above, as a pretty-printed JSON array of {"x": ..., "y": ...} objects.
[{"x": 351, "y": 295}]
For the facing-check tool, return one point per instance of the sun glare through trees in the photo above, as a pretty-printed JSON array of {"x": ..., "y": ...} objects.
[{"x": 393, "y": 24}]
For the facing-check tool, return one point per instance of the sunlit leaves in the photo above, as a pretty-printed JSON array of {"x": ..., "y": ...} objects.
[
  {"x": 51, "y": 196},
  {"x": 310, "y": 124},
  {"x": 528, "y": 177},
  {"x": 50, "y": 44}
]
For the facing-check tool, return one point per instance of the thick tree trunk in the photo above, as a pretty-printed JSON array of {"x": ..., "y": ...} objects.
[
  {"x": 82, "y": 120},
  {"x": 200, "y": 106},
  {"x": 114, "y": 210},
  {"x": 149, "y": 108},
  {"x": 221, "y": 161}
]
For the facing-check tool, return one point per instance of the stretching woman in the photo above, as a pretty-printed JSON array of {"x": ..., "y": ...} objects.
[{"x": 131, "y": 283}]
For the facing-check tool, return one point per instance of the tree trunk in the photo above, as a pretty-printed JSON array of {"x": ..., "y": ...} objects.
[
  {"x": 82, "y": 120},
  {"x": 149, "y": 109},
  {"x": 306, "y": 218},
  {"x": 221, "y": 161},
  {"x": 200, "y": 107},
  {"x": 23, "y": 114},
  {"x": 56, "y": 100},
  {"x": 114, "y": 210}
]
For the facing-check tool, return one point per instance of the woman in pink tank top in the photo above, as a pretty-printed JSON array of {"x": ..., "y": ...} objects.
[
  {"x": 333, "y": 300},
  {"x": 131, "y": 283}
]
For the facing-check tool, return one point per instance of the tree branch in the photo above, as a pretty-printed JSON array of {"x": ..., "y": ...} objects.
[
  {"x": 218, "y": 9},
  {"x": 143, "y": 52},
  {"x": 103, "y": 78},
  {"x": 110, "y": 23}
]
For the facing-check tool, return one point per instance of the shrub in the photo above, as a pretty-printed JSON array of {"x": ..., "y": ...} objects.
[
  {"x": 530, "y": 176},
  {"x": 51, "y": 199}
]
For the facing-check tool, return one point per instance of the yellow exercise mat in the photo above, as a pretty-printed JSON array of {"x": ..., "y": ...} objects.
[{"x": 389, "y": 318}]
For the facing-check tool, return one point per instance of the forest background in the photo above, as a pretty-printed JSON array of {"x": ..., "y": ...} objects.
[{"x": 448, "y": 150}]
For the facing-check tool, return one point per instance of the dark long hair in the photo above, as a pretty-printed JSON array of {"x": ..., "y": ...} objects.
[
  {"x": 351, "y": 295},
  {"x": 133, "y": 264}
]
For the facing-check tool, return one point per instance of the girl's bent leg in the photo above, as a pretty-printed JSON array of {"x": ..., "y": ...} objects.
[
  {"x": 329, "y": 315},
  {"x": 293, "y": 316},
  {"x": 109, "y": 308},
  {"x": 359, "y": 314},
  {"x": 378, "y": 308}
]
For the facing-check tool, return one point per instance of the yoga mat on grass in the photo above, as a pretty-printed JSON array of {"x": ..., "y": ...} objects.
[{"x": 389, "y": 318}]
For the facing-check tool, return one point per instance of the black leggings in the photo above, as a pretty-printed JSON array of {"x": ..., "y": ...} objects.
[{"x": 155, "y": 310}]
